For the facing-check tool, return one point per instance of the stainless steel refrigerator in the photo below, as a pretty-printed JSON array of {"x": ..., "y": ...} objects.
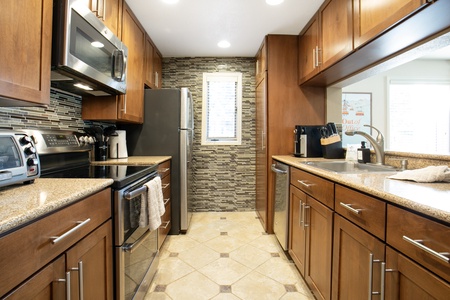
[{"x": 168, "y": 129}]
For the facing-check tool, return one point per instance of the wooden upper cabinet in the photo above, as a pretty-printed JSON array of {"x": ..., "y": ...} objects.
[
  {"x": 26, "y": 35},
  {"x": 336, "y": 31},
  {"x": 371, "y": 20},
  {"x": 261, "y": 63},
  {"x": 108, "y": 11},
  {"x": 308, "y": 50},
  {"x": 153, "y": 65}
]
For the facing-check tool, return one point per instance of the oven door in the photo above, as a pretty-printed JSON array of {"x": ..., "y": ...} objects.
[{"x": 136, "y": 264}]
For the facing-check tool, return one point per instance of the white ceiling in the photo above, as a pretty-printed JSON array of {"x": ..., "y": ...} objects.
[{"x": 192, "y": 28}]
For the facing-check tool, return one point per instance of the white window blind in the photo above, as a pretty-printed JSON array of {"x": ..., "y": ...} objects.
[
  {"x": 222, "y": 108},
  {"x": 424, "y": 107}
]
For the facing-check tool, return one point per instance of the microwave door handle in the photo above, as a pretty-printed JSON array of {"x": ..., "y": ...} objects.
[{"x": 118, "y": 56}]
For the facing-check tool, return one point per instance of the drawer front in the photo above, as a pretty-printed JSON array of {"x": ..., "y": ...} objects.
[
  {"x": 425, "y": 241},
  {"x": 319, "y": 188},
  {"x": 365, "y": 211},
  {"x": 34, "y": 246},
  {"x": 164, "y": 169},
  {"x": 166, "y": 225},
  {"x": 165, "y": 183}
]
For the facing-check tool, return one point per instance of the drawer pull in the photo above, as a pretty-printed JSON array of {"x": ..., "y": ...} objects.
[
  {"x": 162, "y": 171},
  {"x": 303, "y": 182},
  {"x": 166, "y": 201},
  {"x": 164, "y": 186},
  {"x": 165, "y": 225},
  {"x": 350, "y": 208},
  {"x": 417, "y": 243},
  {"x": 56, "y": 239}
]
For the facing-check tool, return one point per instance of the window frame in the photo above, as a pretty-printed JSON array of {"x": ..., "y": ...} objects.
[{"x": 226, "y": 76}]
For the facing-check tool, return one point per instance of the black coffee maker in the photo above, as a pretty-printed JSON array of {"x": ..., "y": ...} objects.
[{"x": 307, "y": 141}]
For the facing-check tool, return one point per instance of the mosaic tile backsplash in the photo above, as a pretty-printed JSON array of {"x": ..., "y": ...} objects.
[
  {"x": 64, "y": 113},
  {"x": 224, "y": 176}
]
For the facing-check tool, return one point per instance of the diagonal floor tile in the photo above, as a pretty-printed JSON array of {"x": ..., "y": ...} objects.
[
  {"x": 193, "y": 286},
  {"x": 230, "y": 271},
  {"x": 258, "y": 287}
]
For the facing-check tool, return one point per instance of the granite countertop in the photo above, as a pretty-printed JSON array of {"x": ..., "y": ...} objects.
[
  {"x": 20, "y": 204},
  {"x": 432, "y": 199},
  {"x": 133, "y": 160}
]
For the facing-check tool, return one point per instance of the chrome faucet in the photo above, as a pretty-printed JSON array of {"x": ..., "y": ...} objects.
[{"x": 378, "y": 144}]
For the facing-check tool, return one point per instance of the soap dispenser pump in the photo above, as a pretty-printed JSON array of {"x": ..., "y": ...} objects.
[{"x": 363, "y": 153}]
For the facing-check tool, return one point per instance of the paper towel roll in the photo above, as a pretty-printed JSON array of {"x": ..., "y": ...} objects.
[{"x": 118, "y": 145}]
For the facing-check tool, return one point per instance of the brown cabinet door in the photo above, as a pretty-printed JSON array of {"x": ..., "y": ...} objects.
[
  {"x": 26, "y": 35},
  {"x": 355, "y": 254},
  {"x": 108, "y": 11},
  {"x": 370, "y": 20},
  {"x": 407, "y": 280},
  {"x": 131, "y": 105},
  {"x": 157, "y": 64},
  {"x": 308, "y": 51},
  {"x": 91, "y": 261},
  {"x": 48, "y": 283},
  {"x": 261, "y": 63},
  {"x": 149, "y": 61},
  {"x": 261, "y": 152},
  {"x": 297, "y": 237},
  {"x": 336, "y": 31},
  {"x": 318, "y": 221}
]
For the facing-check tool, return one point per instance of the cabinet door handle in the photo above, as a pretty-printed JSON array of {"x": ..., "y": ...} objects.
[
  {"x": 56, "y": 239},
  {"x": 305, "y": 207},
  {"x": 350, "y": 208},
  {"x": 303, "y": 182},
  {"x": 314, "y": 58},
  {"x": 80, "y": 279},
  {"x": 441, "y": 255},
  {"x": 67, "y": 282},
  {"x": 300, "y": 215},
  {"x": 383, "y": 269}
]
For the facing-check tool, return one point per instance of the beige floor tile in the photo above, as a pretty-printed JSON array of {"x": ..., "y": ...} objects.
[
  {"x": 171, "y": 269},
  {"x": 199, "y": 256},
  {"x": 250, "y": 256},
  {"x": 230, "y": 271},
  {"x": 226, "y": 251},
  {"x": 193, "y": 286},
  {"x": 258, "y": 287},
  {"x": 278, "y": 269},
  {"x": 224, "y": 244}
]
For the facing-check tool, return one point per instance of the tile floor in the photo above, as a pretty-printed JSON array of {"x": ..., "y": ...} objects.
[{"x": 226, "y": 256}]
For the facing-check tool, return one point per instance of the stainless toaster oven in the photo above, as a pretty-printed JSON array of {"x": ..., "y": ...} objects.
[{"x": 19, "y": 161}]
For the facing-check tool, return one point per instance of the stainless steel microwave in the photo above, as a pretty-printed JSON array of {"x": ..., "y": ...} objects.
[
  {"x": 87, "y": 58},
  {"x": 19, "y": 161}
]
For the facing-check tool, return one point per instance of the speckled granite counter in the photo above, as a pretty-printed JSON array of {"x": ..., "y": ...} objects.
[
  {"x": 23, "y": 203},
  {"x": 134, "y": 160},
  {"x": 432, "y": 199}
]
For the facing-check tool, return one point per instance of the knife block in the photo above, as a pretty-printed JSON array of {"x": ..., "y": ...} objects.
[{"x": 332, "y": 147}]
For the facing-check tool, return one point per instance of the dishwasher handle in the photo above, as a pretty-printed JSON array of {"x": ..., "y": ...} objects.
[{"x": 274, "y": 169}]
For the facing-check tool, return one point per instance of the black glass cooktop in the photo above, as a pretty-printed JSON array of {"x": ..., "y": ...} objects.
[{"x": 121, "y": 174}]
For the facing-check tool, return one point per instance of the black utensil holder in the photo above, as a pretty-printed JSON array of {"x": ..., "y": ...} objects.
[{"x": 101, "y": 151}]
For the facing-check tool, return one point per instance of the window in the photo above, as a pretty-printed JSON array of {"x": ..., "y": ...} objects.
[
  {"x": 222, "y": 109},
  {"x": 425, "y": 109}
]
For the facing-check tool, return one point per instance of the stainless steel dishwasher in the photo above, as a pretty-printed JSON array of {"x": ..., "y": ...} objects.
[{"x": 281, "y": 203}]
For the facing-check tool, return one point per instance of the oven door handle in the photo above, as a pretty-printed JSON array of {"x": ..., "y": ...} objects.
[
  {"x": 132, "y": 247},
  {"x": 135, "y": 193}
]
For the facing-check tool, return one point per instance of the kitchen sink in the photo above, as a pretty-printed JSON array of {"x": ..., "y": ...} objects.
[{"x": 347, "y": 167}]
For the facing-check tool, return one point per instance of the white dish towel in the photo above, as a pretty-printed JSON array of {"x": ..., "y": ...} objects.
[
  {"x": 428, "y": 174},
  {"x": 152, "y": 205}
]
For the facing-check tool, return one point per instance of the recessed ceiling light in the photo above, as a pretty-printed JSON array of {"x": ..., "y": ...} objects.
[
  {"x": 274, "y": 2},
  {"x": 170, "y": 1},
  {"x": 224, "y": 44}
]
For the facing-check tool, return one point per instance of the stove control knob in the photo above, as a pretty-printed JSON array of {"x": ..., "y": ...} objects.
[
  {"x": 32, "y": 162},
  {"x": 30, "y": 150},
  {"x": 25, "y": 140}
]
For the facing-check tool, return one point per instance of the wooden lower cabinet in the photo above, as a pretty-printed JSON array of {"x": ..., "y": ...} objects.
[
  {"x": 49, "y": 283},
  {"x": 407, "y": 280},
  {"x": 91, "y": 260},
  {"x": 311, "y": 241},
  {"x": 357, "y": 257},
  {"x": 164, "y": 170}
]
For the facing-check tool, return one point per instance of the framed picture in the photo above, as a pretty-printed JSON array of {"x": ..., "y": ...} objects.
[{"x": 356, "y": 112}]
